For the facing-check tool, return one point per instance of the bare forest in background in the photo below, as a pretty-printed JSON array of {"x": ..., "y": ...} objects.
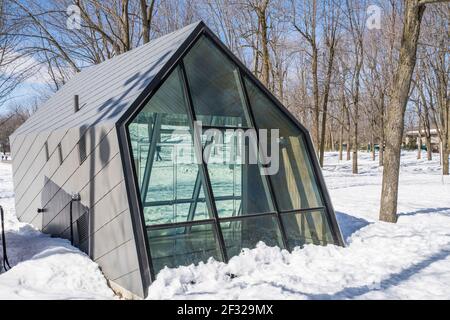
[{"x": 340, "y": 66}]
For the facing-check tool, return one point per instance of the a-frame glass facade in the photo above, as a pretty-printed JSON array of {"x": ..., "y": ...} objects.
[{"x": 205, "y": 187}]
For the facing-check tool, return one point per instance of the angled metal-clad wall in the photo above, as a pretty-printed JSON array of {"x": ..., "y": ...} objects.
[{"x": 98, "y": 178}]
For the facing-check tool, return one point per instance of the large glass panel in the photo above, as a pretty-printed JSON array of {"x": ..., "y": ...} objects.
[
  {"x": 246, "y": 233},
  {"x": 163, "y": 150},
  {"x": 237, "y": 180},
  {"x": 177, "y": 246},
  {"x": 213, "y": 82},
  {"x": 295, "y": 185},
  {"x": 307, "y": 227}
]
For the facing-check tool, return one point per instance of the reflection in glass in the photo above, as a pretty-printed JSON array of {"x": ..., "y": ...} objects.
[
  {"x": 238, "y": 183},
  {"x": 246, "y": 233},
  {"x": 295, "y": 185},
  {"x": 168, "y": 174},
  {"x": 180, "y": 246},
  {"x": 213, "y": 81},
  {"x": 307, "y": 227}
]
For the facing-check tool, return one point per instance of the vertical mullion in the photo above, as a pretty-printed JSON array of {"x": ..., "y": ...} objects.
[
  {"x": 203, "y": 166},
  {"x": 153, "y": 140},
  {"x": 268, "y": 180}
]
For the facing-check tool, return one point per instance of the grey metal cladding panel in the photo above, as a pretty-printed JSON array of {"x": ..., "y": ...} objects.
[
  {"x": 32, "y": 184},
  {"x": 18, "y": 143},
  {"x": 68, "y": 140},
  {"x": 31, "y": 187},
  {"x": 112, "y": 235},
  {"x": 31, "y": 214},
  {"x": 107, "y": 208},
  {"x": 132, "y": 282},
  {"x": 87, "y": 193},
  {"x": 109, "y": 177},
  {"x": 119, "y": 77},
  {"x": 59, "y": 136},
  {"x": 37, "y": 221},
  {"x": 15, "y": 144},
  {"x": 67, "y": 177},
  {"x": 27, "y": 207},
  {"x": 29, "y": 171},
  {"x": 22, "y": 154},
  {"x": 61, "y": 173},
  {"x": 56, "y": 136},
  {"x": 54, "y": 225},
  {"x": 31, "y": 167},
  {"x": 31, "y": 146},
  {"x": 121, "y": 262},
  {"x": 91, "y": 188}
]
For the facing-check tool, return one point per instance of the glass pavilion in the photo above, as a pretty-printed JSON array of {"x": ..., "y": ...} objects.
[{"x": 201, "y": 202}]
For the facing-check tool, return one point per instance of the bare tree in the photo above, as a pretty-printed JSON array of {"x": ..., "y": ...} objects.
[
  {"x": 332, "y": 18},
  {"x": 15, "y": 68},
  {"x": 356, "y": 21},
  {"x": 424, "y": 109},
  {"x": 261, "y": 10},
  {"x": 413, "y": 13},
  {"x": 308, "y": 30}
]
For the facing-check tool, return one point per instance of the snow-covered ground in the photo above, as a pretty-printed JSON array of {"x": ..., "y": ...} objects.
[{"x": 407, "y": 260}]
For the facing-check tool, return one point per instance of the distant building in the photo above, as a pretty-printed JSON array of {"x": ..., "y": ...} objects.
[{"x": 411, "y": 138}]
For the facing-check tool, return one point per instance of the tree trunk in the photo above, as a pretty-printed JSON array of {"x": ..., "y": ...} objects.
[
  {"x": 331, "y": 146},
  {"x": 348, "y": 149},
  {"x": 445, "y": 162},
  {"x": 429, "y": 151},
  {"x": 349, "y": 145},
  {"x": 325, "y": 102},
  {"x": 343, "y": 119},
  {"x": 316, "y": 135},
  {"x": 381, "y": 152},
  {"x": 381, "y": 142},
  {"x": 125, "y": 26},
  {"x": 264, "y": 43},
  {"x": 413, "y": 12},
  {"x": 419, "y": 147},
  {"x": 355, "y": 149},
  {"x": 146, "y": 15},
  {"x": 356, "y": 120},
  {"x": 349, "y": 136},
  {"x": 341, "y": 136},
  {"x": 372, "y": 146}
]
